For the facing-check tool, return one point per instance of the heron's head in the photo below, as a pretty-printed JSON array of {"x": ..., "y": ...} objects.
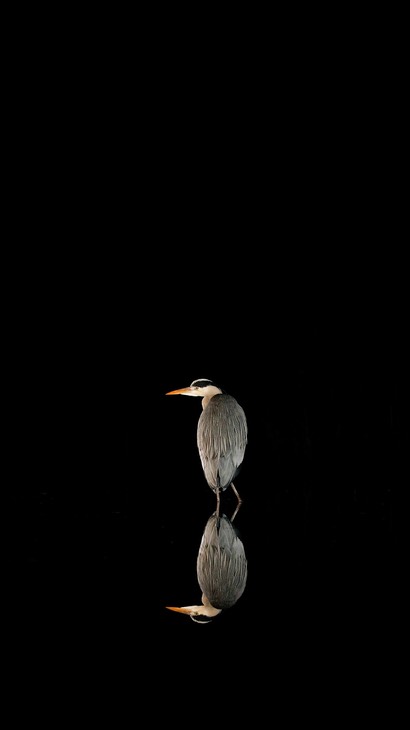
[
  {"x": 202, "y": 388},
  {"x": 200, "y": 614}
]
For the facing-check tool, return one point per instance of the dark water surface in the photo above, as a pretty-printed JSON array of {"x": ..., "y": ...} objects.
[{"x": 111, "y": 504}]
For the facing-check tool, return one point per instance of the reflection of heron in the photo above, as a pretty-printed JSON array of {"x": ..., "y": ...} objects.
[
  {"x": 221, "y": 434},
  {"x": 221, "y": 568}
]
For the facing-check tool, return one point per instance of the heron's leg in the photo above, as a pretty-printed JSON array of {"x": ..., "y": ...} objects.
[
  {"x": 236, "y": 492},
  {"x": 218, "y": 501},
  {"x": 236, "y": 511}
]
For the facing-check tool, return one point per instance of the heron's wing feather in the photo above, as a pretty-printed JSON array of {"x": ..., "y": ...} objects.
[
  {"x": 221, "y": 564},
  {"x": 222, "y": 437}
]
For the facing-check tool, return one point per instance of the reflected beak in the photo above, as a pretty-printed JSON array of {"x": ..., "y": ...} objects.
[
  {"x": 173, "y": 608},
  {"x": 178, "y": 392}
]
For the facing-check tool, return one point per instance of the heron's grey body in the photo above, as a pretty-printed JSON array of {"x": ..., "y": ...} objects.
[
  {"x": 221, "y": 440},
  {"x": 221, "y": 563}
]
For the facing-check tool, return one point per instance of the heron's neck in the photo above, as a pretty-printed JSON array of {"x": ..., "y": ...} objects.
[
  {"x": 208, "y": 609},
  {"x": 212, "y": 390}
]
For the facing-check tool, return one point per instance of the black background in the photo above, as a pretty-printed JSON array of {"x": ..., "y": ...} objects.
[{"x": 261, "y": 250}]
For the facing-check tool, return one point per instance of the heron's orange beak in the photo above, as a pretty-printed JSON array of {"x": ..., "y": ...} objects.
[
  {"x": 176, "y": 392},
  {"x": 173, "y": 608}
]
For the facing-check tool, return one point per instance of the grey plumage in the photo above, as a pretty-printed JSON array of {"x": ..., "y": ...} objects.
[
  {"x": 221, "y": 563},
  {"x": 221, "y": 440}
]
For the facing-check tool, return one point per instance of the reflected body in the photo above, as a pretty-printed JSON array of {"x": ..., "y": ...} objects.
[
  {"x": 222, "y": 569},
  {"x": 222, "y": 434}
]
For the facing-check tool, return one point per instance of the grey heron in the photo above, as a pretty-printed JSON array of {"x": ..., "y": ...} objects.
[
  {"x": 222, "y": 434},
  {"x": 222, "y": 569}
]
